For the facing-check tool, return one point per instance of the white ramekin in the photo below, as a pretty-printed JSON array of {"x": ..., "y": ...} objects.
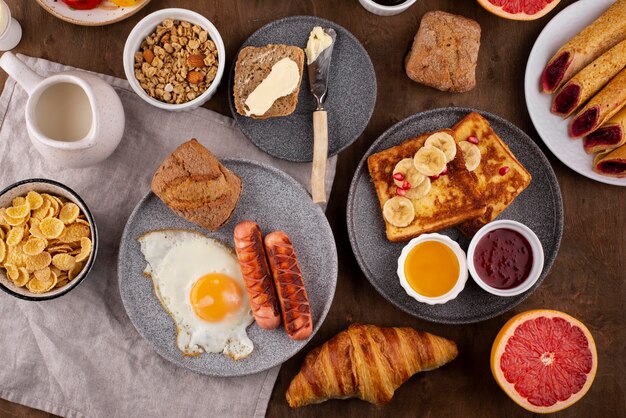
[
  {"x": 145, "y": 27},
  {"x": 460, "y": 283},
  {"x": 535, "y": 246},
  {"x": 380, "y": 10}
]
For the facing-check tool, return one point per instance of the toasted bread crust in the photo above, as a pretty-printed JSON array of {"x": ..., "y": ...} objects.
[
  {"x": 253, "y": 65},
  {"x": 498, "y": 190},
  {"x": 453, "y": 198},
  {"x": 196, "y": 186}
]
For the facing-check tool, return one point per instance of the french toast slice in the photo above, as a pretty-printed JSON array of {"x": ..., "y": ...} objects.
[
  {"x": 498, "y": 188},
  {"x": 453, "y": 197}
]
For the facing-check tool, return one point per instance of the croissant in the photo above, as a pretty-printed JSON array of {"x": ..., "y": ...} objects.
[{"x": 367, "y": 362}]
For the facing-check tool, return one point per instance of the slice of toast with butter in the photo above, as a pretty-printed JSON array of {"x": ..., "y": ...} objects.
[{"x": 258, "y": 75}]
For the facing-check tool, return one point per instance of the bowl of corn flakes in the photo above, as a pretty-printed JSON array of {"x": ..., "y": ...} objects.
[{"x": 48, "y": 239}]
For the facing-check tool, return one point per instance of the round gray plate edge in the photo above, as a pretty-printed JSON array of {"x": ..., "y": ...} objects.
[
  {"x": 360, "y": 46},
  {"x": 553, "y": 181},
  {"x": 316, "y": 326}
]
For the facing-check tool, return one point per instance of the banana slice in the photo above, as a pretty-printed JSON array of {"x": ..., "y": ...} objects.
[
  {"x": 407, "y": 173},
  {"x": 399, "y": 211},
  {"x": 429, "y": 161},
  {"x": 471, "y": 155},
  {"x": 444, "y": 142},
  {"x": 419, "y": 191}
]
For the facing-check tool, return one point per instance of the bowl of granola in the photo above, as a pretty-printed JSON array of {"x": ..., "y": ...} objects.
[{"x": 174, "y": 59}]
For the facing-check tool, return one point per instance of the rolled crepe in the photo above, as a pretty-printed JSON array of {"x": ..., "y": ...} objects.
[
  {"x": 589, "y": 80},
  {"x": 605, "y": 32},
  {"x": 612, "y": 163},
  {"x": 601, "y": 107},
  {"x": 610, "y": 135}
]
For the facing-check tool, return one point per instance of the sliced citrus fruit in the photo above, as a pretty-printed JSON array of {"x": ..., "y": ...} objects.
[
  {"x": 519, "y": 9},
  {"x": 544, "y": 360}
]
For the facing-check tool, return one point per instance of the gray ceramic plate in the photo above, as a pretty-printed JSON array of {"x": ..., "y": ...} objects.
[
  {"x": 350, "y": 100},
  {"x": 539, "y": 207},
  {"x": 275, "y": 201}
]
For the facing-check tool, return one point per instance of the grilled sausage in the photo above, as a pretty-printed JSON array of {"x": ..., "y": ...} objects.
[
  {"x": 256, "y": 274},
  {"x": 289, "y": 285}
]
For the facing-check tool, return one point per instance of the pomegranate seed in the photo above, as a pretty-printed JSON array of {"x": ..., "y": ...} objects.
[
  {"x": 400, "y": 192},
  {"x": 473, "y": 140},
  {"x": 503, "y": 170},
  {"x": 398, "y": 176},
  {"x": 435, "y": 177},
  {"x": 444, "y": 172},
  {"x": 406, "y": 185}
]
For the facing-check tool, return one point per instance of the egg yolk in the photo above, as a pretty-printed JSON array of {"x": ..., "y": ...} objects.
[
  {"x": 431, "y": 269},
  {"x": 214, "y": 296}
]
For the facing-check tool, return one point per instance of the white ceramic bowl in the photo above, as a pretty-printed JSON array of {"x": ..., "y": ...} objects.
[
  {"x": 380, "y": 10},
  {"x": 460, "y": 283},
  {"x": 535, "y": 246},
  {"x": 145, "y": 27},
  {"x": 54, "y": 188}
]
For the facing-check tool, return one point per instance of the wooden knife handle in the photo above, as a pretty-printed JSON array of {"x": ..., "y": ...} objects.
[{"x": 320, "y": 156}]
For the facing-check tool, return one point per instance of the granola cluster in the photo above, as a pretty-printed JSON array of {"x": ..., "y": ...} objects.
[{"x": 177, "y": 62}]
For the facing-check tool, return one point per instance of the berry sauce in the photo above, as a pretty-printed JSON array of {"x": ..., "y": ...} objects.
[{"x": 503, "y": 258}]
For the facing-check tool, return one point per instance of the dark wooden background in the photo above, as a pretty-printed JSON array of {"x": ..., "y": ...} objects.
[{"x": 587, "y": 279}]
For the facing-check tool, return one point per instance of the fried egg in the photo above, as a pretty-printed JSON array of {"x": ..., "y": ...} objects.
[{"x": 199, "y": 283}]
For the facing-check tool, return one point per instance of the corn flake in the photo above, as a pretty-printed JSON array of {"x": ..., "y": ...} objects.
[
  {"x": 42, "y": 211},
  {"x": 19, "y": 212},
  {"x": 75, "y": 271},
  {"x": 74, "y": 232},
  {"x": 51, "y": 227},
  {"x": 37, "y": 262},
  {"x": 15, "y": 256},
  {"x": 3, "y": 250},
  {"x": 38, "y": 286},
  {"x": 34, "y": 246},
  {"x": 34, "y": 200},
  {"x": 69, "y": 213},
  {"x": 54, "y": 203},
  {"x": 12, "y": 271},
  {"x": 64, "y": 262},
  {"x": 11, "y": 220},
  {"x": 15, "y": 236},
  {"x": 23, "y": 277},
  {"x": 18, "y": 201}
]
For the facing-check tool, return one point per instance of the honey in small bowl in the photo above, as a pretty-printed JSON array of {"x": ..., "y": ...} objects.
[{"x": 432, "y": 269}]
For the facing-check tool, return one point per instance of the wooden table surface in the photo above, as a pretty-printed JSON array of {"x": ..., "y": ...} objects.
[{"x": 587, "y": 279}]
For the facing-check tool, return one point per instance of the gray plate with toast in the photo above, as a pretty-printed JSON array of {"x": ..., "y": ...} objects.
[
  {"x": 276, "y": 202},
  {"x": 539, "y": 207},
  {"x": 350, "y": 101}
]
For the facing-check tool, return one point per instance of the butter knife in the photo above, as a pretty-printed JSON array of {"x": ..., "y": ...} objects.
[{"x": 318, "y": 80}]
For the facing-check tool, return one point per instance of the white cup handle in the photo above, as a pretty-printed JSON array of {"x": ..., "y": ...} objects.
[{"x": 20, "y": 72}]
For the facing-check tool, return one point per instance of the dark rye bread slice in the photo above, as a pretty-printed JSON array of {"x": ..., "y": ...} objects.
[{"x": 254, "y": 65}]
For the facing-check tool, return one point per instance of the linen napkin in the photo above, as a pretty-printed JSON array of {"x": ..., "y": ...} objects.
[{"x": 79, "y": 355}]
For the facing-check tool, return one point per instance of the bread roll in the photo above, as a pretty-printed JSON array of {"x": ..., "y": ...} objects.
[{"x": 195, "y": 185}]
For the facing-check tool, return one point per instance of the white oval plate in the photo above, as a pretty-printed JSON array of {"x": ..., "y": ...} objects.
[
  {"x": 105, "y": 14},
  {"x": 552, "y": 128}
]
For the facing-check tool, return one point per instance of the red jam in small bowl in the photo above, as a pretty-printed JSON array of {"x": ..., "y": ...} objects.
[{"x": 503, "y": 258}]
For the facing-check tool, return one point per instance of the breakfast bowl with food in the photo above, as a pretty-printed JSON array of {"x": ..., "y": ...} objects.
[
  {"x": 48, "y": 239},
  {"x": 505, "y": 258},
  {"x": 174, "y": 59},
  {"x": 432, "y": 269}
]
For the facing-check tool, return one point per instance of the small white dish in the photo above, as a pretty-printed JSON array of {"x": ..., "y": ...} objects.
[
  {"x": 381, "y": 10},
  {"x": 535, "y": 245},
  {"x": 145, "y": 27},
  {"x": 553, "y": 129},
  {"x": 460, "y": 255}
]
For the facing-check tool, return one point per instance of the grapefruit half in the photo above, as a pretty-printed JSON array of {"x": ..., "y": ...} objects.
[
  {"x": 544, "y": 360},
  {"x": 519, "y": 9}
]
